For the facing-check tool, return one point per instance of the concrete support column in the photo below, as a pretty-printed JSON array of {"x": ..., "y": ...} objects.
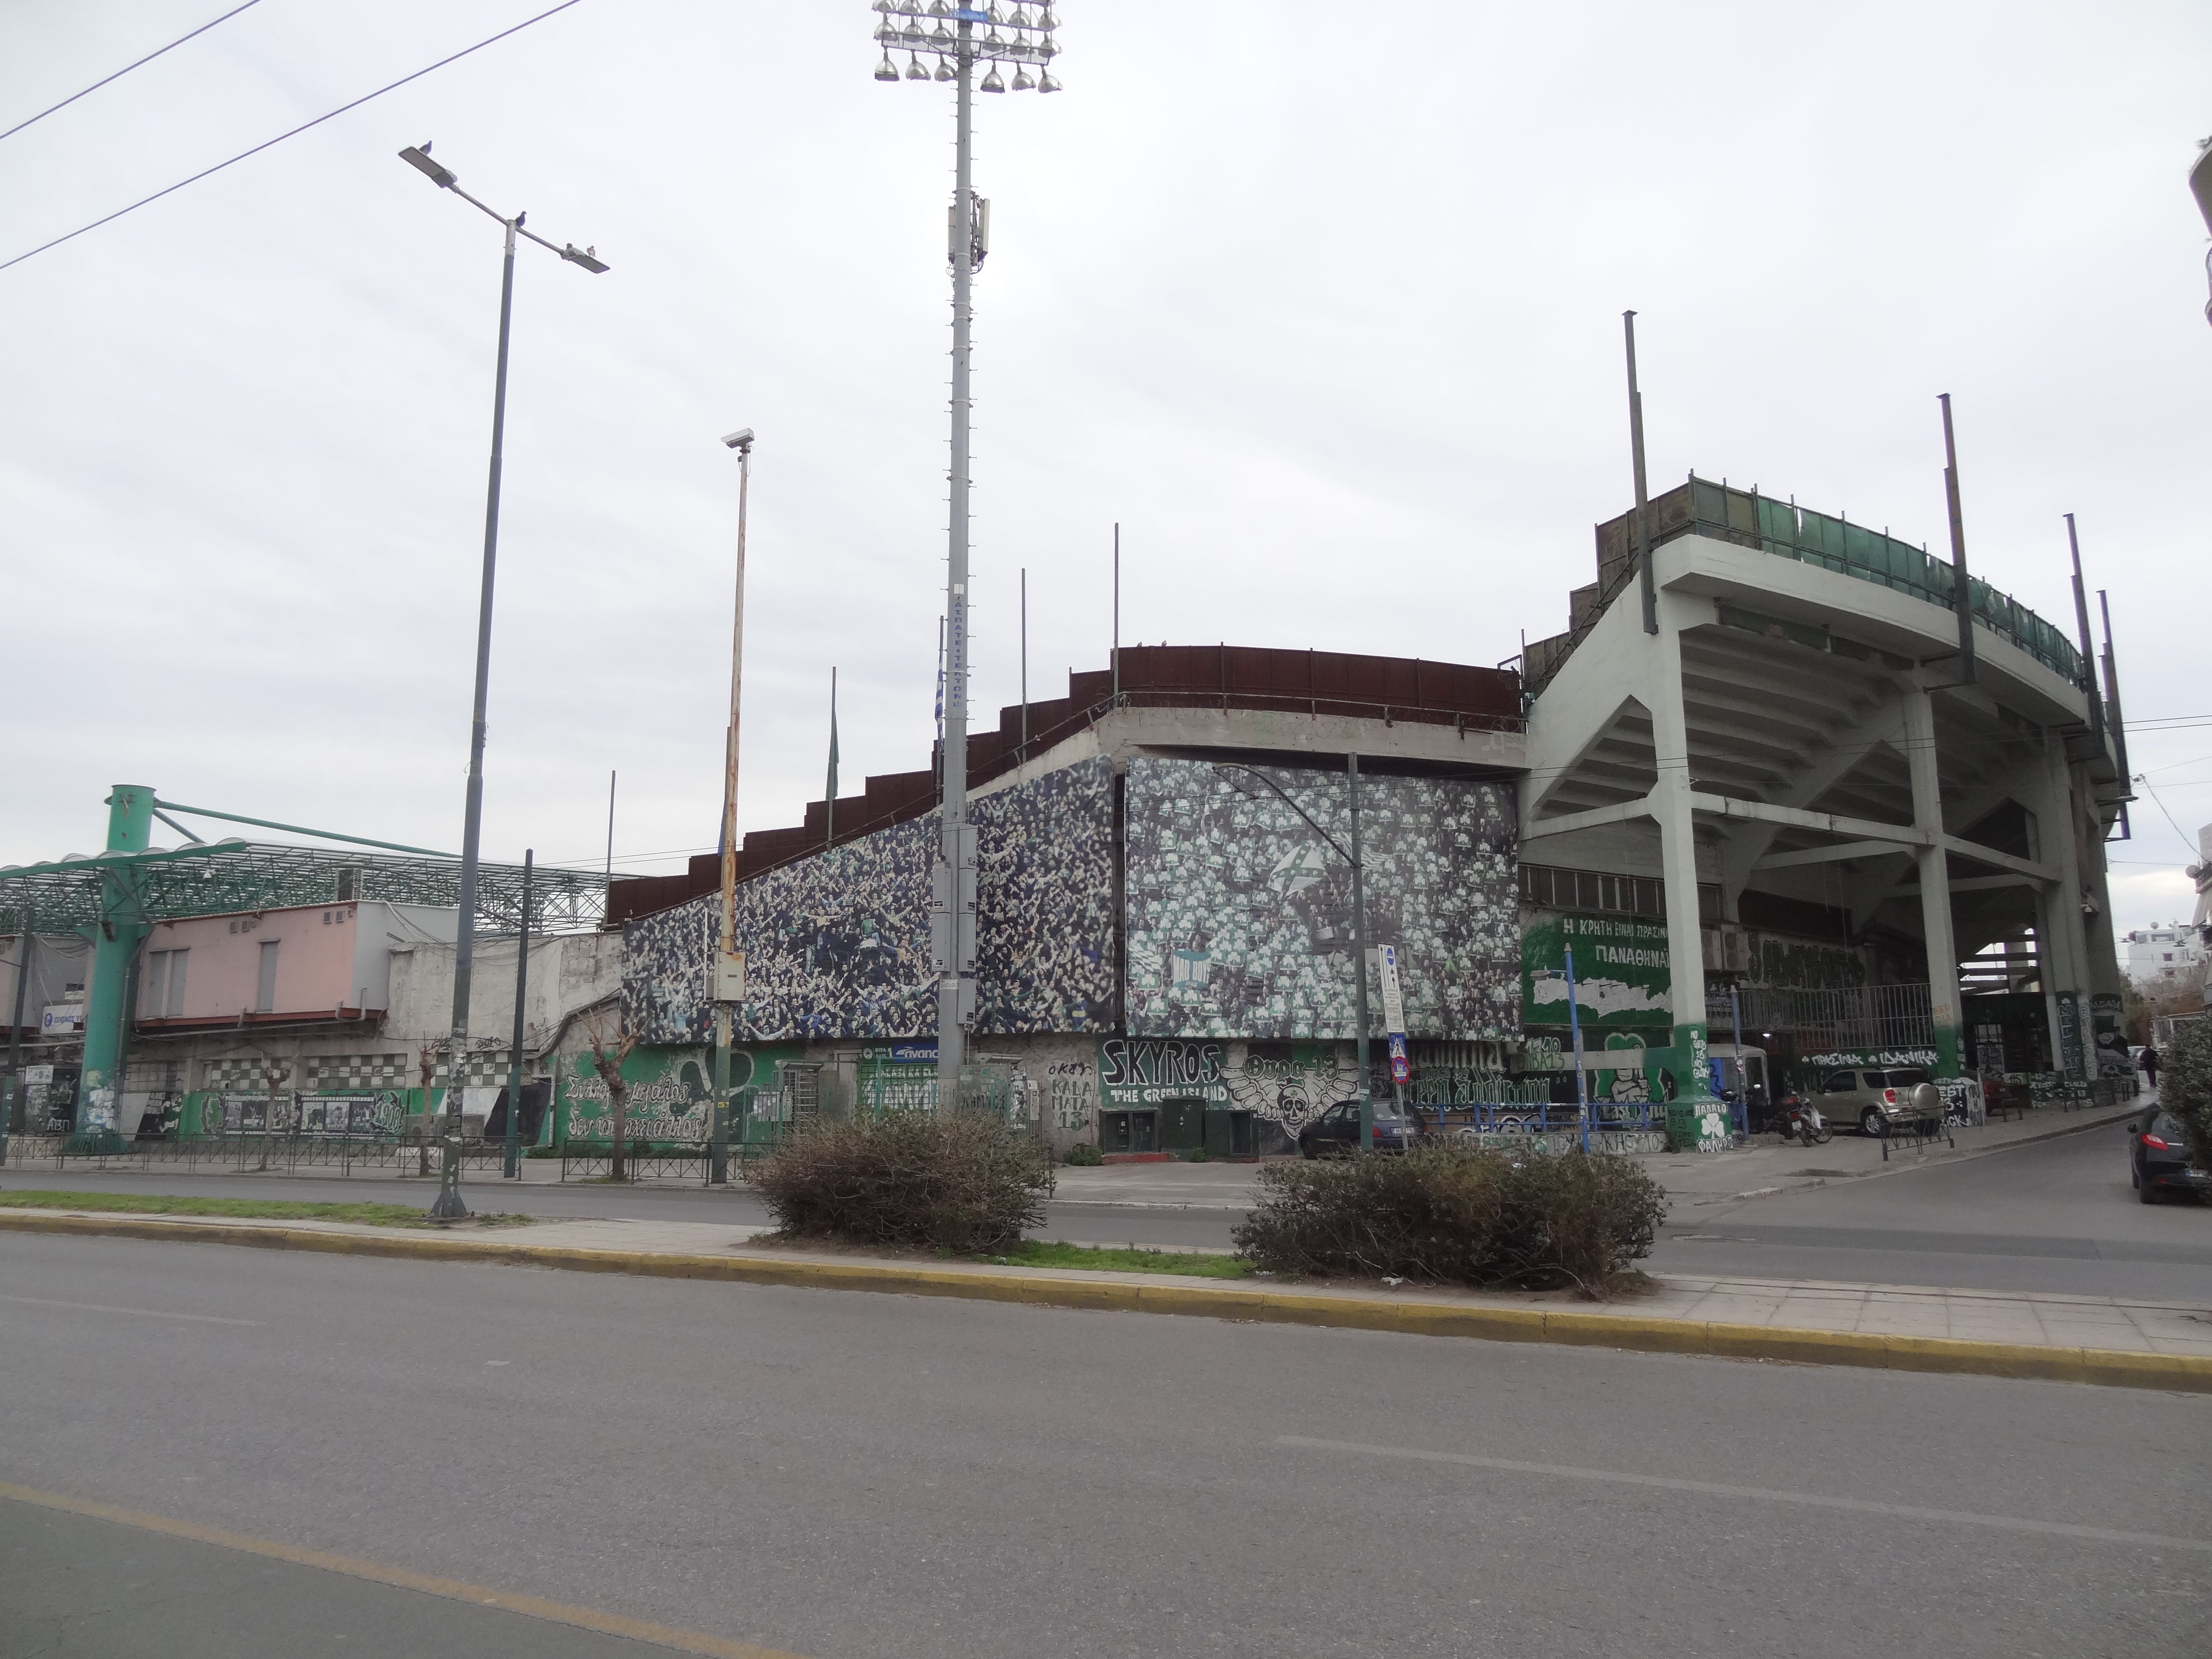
[
  {"x": 1935, "y": 880},
  {"x": 1692, "y": 1121},
  {"x": 115, "y": 944},
  {"x": 2065, "y": 947}
]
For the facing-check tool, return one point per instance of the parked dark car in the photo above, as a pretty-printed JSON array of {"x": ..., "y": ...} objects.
[
  {"x": 1335, "y": 1132},
  {"x": 2160, "y": 1160}
]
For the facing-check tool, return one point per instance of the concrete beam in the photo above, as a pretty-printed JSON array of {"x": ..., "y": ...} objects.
[
  {"x": 1847, "y": 849},
  {"x": 1981, "y": 855},
  {"x": 1759, "y": 811},
  {"x": 1597, "y": 816}
]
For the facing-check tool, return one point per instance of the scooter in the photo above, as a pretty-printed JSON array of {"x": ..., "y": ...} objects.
[{"x": 1801, "y": 1120}]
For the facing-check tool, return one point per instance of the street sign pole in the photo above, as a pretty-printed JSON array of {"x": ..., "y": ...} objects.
[{"x": 1575, "y": 1027}]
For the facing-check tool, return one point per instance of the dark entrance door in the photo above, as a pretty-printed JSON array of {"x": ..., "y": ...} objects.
[
  {"x": 1182, "y": 1125},
  {"x": 1128, "y": 1132}
]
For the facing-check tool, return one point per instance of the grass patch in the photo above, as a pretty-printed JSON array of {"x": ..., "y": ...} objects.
[
  {"x": 1043, "y": 1253},
  {"x": 255, "y": 1209}
]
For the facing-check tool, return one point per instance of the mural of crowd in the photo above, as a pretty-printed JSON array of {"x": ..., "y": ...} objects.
[
  {"x": 837, "y": 945},
  {"x": 1240, "y": 915}
]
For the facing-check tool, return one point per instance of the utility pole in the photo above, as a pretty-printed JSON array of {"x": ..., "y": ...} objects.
[
  {"x": 1359, "y": 960},
  {"x": 1026, "y": 40},
  {"x": 512, "y": 1165},
  {"x": 1962, "y": 594},
  {"x": 727, "y": 971},
  {"x": 1646, "y": 581},
  {"x": 449, "y": 1206},
  {"x": 14, "y": 1097}
]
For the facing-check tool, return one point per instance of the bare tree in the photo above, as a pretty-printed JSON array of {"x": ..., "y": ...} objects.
[
  {"x": 608, "y": 1065},
  {"x": 273, "y": 1072}
]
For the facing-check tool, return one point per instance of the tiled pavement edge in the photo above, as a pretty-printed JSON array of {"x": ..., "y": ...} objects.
[{"x": 2061, "y": 1338}]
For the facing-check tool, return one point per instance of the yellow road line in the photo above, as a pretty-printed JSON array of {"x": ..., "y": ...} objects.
[{"x": 533, "y": 1607}]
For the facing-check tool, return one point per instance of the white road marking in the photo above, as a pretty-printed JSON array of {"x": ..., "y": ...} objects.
[
  {"x": 1810, "y": 1500},
  {"x": 148, "y": 1313}
]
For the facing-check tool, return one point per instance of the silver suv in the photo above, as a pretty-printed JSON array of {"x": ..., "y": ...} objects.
[{"x": 1875, "y": 1099}]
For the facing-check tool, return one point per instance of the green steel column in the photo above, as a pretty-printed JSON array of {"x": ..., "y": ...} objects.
[{"x": 115, "y": 941}]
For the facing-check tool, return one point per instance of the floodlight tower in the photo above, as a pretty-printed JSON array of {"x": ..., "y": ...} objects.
[{"x": 1020, "y": 35}]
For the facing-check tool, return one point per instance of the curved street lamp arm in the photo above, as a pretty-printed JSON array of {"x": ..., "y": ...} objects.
[{"x": 1230, "y": 766}]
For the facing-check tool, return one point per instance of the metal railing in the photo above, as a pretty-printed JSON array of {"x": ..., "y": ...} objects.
[
  {"x": 1466, "y": 1118},
  {"x": 1820, "y": 1021},
  {"x": 1828, "y": 541}
]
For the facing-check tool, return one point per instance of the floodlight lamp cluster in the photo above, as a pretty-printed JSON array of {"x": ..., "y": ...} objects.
[{"x": 1019, "y": 34}]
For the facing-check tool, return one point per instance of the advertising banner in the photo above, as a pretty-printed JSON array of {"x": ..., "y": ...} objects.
[{"x": 1622, "y": 978}]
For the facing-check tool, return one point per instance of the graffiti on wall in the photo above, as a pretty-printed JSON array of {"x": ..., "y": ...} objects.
[
  {"x": 2106, "y": 1024},
  {"x": 669, "y": 1094},
  {"x": 1073, "y": 1088},
  {"x": 1146, "y": 1071},
  {"x": 1239, "y": 914},
  {"x": 1293, "y": 1083},
  {"x": 1804, "y": 963},
  {"x": 837, "y": 945}
]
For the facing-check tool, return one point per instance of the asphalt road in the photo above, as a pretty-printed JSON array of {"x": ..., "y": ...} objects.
[
  {"x": 846, "y": 1475},
  {"x": 2056, "y": 1215},
  {"x": 2053, "y": 1215}
]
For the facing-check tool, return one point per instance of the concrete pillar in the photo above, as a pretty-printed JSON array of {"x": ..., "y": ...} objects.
[
  {"x": 1935, "y": 879},
  {"x": 2066, "y": 955},
  {"x": 1691, "y": 1120},
  {"x": 115, "y": 944}
]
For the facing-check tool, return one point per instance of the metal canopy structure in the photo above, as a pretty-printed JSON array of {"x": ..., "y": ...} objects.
[{"x": 218, "y": 877}]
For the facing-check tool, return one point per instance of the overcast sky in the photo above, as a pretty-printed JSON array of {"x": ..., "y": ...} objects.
[{"x": 1320, "y": 302}]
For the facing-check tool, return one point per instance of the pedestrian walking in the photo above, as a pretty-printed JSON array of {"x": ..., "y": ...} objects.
[{"x": 2149, "y": 1064}]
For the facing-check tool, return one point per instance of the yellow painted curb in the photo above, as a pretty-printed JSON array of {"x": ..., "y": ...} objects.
[{"x": 1641, "y": 1332}]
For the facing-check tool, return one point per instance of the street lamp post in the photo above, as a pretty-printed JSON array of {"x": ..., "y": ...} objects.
[
  {"x": 448, "y": 1205},
  {"x": 729, "y": 968},
  {"x": 913, "y": 27},
  {"x": 1358, "y": 924}
]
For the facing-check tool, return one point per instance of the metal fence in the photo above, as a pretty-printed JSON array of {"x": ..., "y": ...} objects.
[{"x": 1822, "y": 1021}]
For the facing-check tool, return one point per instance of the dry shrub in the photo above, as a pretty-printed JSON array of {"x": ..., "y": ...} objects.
[
  {"x": 964, "y": 1182},
  {"x": 1457, "y": 1215}
]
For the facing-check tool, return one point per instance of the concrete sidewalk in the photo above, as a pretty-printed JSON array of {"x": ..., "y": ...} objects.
[
  {"x": 1766, "y": 1165},
  {"x": 2106, "y": 1339}
]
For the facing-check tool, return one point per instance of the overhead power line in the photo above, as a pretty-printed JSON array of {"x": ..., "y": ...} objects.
[
  {"x": 294, "y": 133},
  {"x": 127, "y": 68}
]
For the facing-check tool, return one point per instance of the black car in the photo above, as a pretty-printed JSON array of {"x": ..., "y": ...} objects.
[
  {"x": 2160, "y": 1159},
  {"x": 1335, "y": 1132}
]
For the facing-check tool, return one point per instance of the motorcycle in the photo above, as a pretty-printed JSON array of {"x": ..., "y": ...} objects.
[{"x": 1799, "y": 1120}]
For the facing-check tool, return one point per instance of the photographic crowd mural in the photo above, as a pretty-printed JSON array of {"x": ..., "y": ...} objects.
[
  {"x": 1044, "y": 903},
  {"x": 837, "y": 945},
  {"x": 1240, "y": 914}
]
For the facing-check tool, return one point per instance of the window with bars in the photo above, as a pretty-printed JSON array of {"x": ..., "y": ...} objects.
[{"x": 1551, "y": 887}]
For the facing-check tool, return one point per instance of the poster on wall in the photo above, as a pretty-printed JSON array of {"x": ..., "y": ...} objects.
[
  {"x": 1623, "y": 981},
  {"x": 2106, "y": 1023},
  {"x": 1239, "y": 909}
]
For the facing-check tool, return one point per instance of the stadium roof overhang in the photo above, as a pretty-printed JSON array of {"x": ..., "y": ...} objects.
[{"x": 232, "y": 875}]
